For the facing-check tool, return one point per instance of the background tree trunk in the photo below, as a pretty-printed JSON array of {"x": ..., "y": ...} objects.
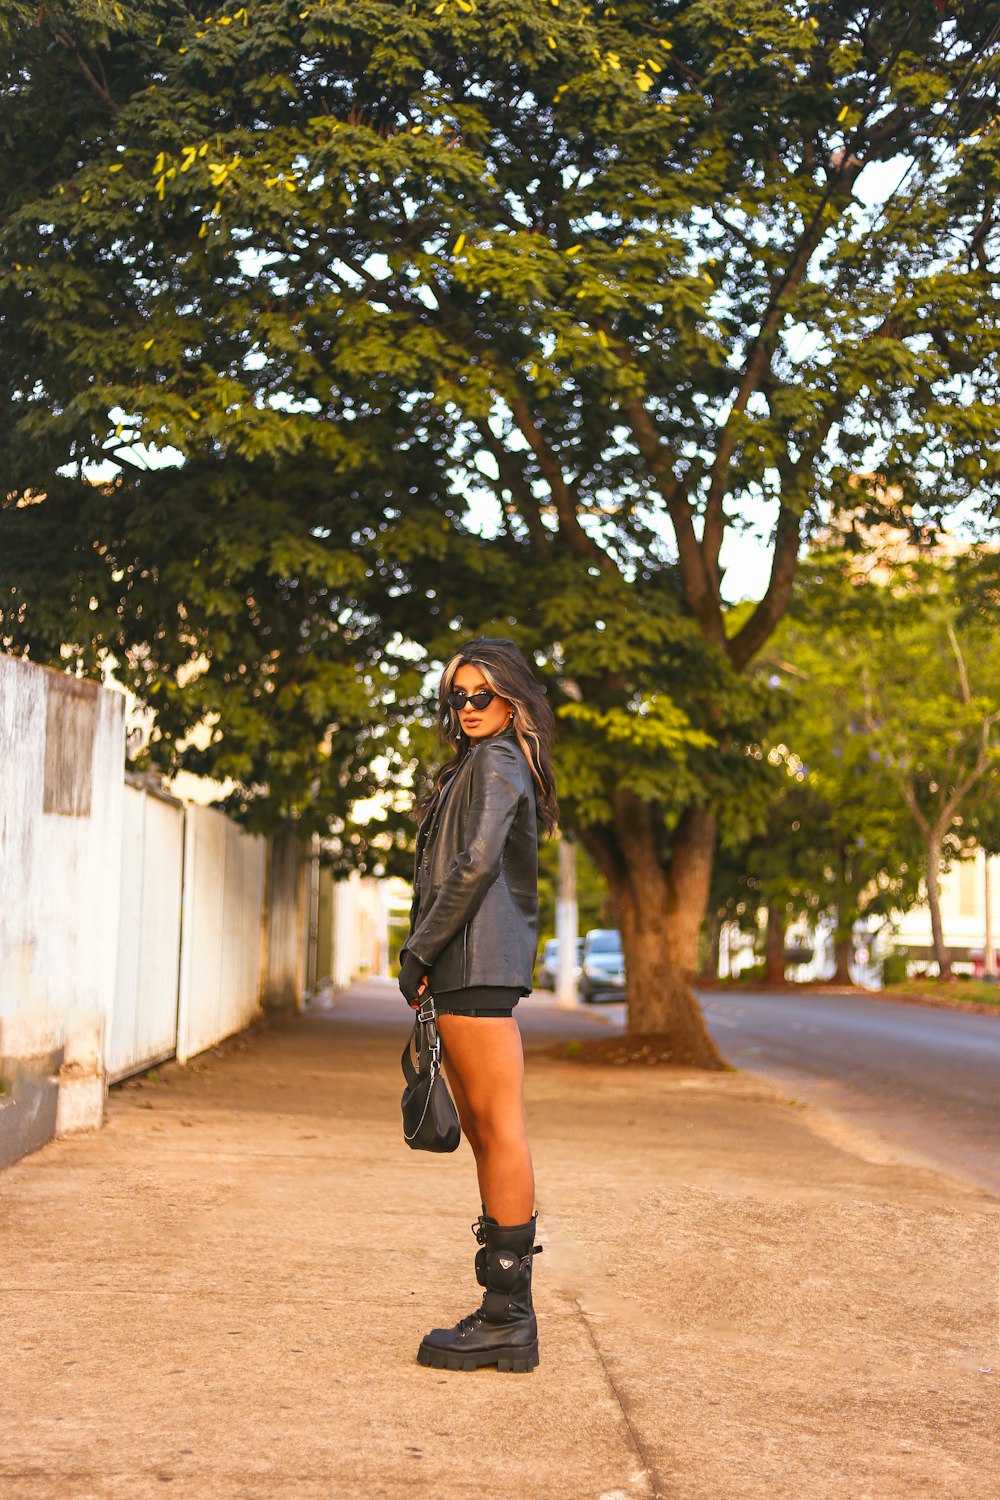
[
  {"x": 934, "y": 903},
  {"x": 774, "y": 945},
  {"x": 709, "y": 971},
  {"x": 843, "y": 952},
  {"x": 660, "y": 908}
]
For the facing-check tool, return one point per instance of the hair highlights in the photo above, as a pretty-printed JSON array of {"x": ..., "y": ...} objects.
[{"x": 507, "y": 673}]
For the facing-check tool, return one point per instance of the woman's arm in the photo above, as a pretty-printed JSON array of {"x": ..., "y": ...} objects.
[{"x": 495, "y": 793}]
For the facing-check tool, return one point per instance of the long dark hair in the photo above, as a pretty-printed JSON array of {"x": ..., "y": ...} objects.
[{"x": 504, "y": 670}]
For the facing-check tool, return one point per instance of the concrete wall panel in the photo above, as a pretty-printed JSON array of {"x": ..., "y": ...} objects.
[
  {"x": 220, "y": 967},
  {"x": 61, "y": 808},
  {"x": 144, "y": 1023}
]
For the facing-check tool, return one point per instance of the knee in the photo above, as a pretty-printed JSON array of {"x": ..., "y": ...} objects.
[{"x": 498, "y": 1133}]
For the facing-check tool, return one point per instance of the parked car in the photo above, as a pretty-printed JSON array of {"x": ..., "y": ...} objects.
[
  {"x": 602, "y": 968},
  {"x": 548, "y": 964}
]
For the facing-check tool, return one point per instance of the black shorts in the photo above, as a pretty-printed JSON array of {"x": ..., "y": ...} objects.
[{"x": 478, "y": 1000}]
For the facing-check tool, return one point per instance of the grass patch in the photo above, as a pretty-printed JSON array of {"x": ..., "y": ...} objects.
[{"x": 949, "y": 992}]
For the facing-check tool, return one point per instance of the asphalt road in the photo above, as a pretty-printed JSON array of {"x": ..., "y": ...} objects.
[{"x": 925, "y": 1081}]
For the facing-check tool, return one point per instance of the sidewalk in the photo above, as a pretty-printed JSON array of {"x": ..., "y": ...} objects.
[{"x": 223, "y": 1291}]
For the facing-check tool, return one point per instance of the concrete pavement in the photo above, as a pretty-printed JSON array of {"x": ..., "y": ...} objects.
[{"x": 222, "y": 1292}]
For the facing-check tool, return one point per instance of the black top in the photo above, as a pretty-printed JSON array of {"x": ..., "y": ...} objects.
[{"x": 474, "y": 919}]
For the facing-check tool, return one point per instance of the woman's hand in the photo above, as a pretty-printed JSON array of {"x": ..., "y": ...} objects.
[{"x": 412, "y": 979}]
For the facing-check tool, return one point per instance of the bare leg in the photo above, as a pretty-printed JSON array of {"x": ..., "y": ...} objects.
[{"x": 485, "y": 1067}]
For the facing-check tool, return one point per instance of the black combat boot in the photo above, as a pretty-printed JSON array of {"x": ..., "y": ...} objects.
[{"x": 503, "y": 1331}]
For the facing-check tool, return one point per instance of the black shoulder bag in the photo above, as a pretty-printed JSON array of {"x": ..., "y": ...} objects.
[{"x": 430, "y": 1119}]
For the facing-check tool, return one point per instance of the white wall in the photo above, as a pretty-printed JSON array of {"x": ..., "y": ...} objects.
[
  {"x": 963, "y": 909},
  {"x": 222, "y": 930},
  {"x": 62, "y": 747},
  {"x": 144, "y": 1019}
]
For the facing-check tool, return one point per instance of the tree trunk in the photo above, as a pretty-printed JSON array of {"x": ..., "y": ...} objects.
[
  {"x": 660, "y": 909},
  {"x": 934, "y": 903},
  {"x": 774, "y": 945},
  {"x": 843, "y": 952},
  {"x": 709, "y": 972}
]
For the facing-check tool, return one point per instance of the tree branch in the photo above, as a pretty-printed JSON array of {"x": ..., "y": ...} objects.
[
  {"x": 521, "y": 494},
  {"x": 963, "y": 676},
  {"x": 757, "y": 365},
  {"x": 701, "y": 597},
  {"x": 748, "y": 641},
  {"x": 101, "y": 90},
  {"x": 551, "y": 471}
]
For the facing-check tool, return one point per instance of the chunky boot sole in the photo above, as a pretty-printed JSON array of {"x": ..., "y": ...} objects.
[{"x": 516, "y": 1361}]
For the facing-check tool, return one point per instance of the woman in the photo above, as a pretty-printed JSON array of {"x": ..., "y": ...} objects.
[{"x": 473, "y": 935}]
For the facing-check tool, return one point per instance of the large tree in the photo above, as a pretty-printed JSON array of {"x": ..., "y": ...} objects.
[
  {"x": 908, "y": 661},
  {"x": 515, "y": 308}
]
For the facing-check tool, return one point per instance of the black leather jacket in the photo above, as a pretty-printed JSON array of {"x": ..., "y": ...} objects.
[{"x": 474, "y": 918}]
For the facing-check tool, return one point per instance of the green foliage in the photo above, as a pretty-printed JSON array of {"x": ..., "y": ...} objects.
[
  {"x": 462, "y": 316},
  {"x": 894, "y": 966},
  {"x": 892, "y": 679}
]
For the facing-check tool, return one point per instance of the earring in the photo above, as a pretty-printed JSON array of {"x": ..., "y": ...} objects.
[{"x": 510, "y": 718}]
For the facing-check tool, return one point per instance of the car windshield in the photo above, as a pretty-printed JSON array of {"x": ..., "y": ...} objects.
[{"x": 606, "y": 943}]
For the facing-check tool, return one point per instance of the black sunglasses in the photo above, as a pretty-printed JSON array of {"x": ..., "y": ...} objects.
[{"x": 461, "y": 700}]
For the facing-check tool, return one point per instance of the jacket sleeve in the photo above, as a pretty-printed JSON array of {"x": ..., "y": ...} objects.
[{"x": 495, "y": 793}]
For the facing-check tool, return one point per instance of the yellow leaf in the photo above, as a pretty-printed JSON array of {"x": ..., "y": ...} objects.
[
  {"x": 149, "y": 343},
  {"x": 459, "y": 245},
  {"x": 159, "y": 164},
  {"x": 181, "y": 51},
  {"x": 644, "y": 81},
  {"x": 203, "y": 149},
  {"x": 416, "y": 130},
  {"x": 602, "y": 339},
  {"x": 843, "y": 114},
  {"x": 194, "y": 415},
  {"x": 574, "y": 250},
  {"x": 216, "y": 211},
  {"x": 439, "y": 8},
  {"x": 581, "y": 293},
  {"x": 559, "y": 92},
  {"x": 117, "y": 167},
  {"x": 203, "y": 232},
  {"x": 551, "y": 42},
  {"x": 533, "y": 373},
  {"x": 667, "y": 46},
  {"x": 161, "y": 188}
]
